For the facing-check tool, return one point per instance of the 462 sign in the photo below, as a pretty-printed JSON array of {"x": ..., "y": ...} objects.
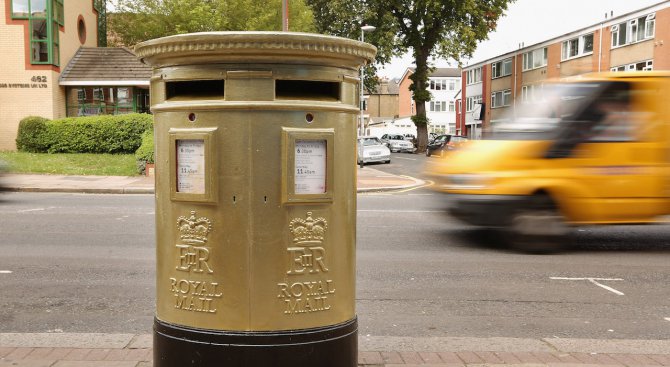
[{"x": 39, "y": 79}]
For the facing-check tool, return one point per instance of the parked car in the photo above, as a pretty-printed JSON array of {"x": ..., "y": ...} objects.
[
  {"x": 397, "y": 143},
  {"x": 371, "y": 149},
  {"x": 431, "y": 137},
  {"x": 444, "y": 143}
]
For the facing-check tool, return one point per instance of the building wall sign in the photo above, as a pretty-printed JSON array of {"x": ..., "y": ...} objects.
[{"x": 36, "y": 82}]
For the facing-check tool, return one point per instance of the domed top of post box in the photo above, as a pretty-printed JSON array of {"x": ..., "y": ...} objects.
[{"x": 256, "y": 47}]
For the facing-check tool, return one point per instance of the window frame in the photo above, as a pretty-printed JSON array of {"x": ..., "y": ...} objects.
[
  {"x": 579, "y": 47},
  {"x": 638, "y": 29},
  {"x": 646, "y": 65},
  {"x": 501, "y": 98},
  {"x": 498, "y": 68},
  {"x": 53, "y": 19},
  {"x": 529, "y": 59},
  {"x": 473, "y": 76},
  {"x": 470, "y": 102}
]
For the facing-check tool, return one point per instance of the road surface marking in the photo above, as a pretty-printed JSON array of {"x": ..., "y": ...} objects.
[
  {"x": 409, "y": 159},
  {"x": 399, "y": 211},
  {"x": 667, "y": 319},
  {"x": 595, "y": 281},
  {"x": 31, "y": 210},
  {"x": 5, "y": 271}
]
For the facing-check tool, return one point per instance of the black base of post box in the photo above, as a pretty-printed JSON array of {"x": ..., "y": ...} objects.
[{"x": 331, "y": 346}]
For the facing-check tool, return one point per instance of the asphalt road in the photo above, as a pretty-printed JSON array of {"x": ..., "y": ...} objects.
[{"x": 85, "y": 263}]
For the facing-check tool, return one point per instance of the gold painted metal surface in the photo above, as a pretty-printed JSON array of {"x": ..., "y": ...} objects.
[{"x": 251, "y": 254}]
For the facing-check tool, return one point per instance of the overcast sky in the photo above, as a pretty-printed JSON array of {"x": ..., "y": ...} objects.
[{"x": 533, "y": 21}]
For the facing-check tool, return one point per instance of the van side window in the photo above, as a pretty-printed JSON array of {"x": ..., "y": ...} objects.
[{"x": 613, "y": 116}]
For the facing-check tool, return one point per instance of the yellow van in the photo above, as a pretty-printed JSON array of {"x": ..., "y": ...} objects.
[{"x": 594, "y": 150}]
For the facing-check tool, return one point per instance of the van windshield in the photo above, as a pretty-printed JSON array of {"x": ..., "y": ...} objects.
[{"x": 548, "y": 111}]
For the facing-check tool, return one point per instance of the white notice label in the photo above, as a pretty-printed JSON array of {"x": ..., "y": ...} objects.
[
  {"x": 310, "y": 166},
  {"x": 191, "y": 166}
]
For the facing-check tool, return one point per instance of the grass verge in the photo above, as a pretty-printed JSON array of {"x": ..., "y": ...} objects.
[{"x": 70, "y": 164}]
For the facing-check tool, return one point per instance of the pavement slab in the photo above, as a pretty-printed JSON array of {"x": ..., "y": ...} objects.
[{"x": 128, "y": 350}]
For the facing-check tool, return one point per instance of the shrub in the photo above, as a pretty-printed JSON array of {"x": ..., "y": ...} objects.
[
  {"x": 32, "y": 134},
  {"x": 145, "y": 153},
  {"x": 97, "y": 134}
]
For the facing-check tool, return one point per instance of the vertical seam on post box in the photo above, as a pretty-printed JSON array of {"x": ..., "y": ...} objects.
[{"x": 250, "y": 219}]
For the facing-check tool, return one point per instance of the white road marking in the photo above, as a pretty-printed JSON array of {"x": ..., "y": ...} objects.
[
  {"x": 31, "y": 210},
  {"x": 398, "y": 211},
  {"x": 409, "y": 159},
  {"x": 5, "y": 271},
  {"x": 667, "y": 319},
  {"x": 595, "y": 281}
]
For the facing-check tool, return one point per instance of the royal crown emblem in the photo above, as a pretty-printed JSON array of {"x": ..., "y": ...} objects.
[
  {"x": 309, "y": 231},
  {"x": 192, "y": 229}
]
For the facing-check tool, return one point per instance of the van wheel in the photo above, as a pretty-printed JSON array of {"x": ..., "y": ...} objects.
[{"x": 537, "y": 227}]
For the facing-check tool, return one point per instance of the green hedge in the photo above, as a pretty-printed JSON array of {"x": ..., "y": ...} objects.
[
  {"x": 92, "y": 134},
  {"x": 30, "y": 138},
  {"x": 146, "y": 151}
]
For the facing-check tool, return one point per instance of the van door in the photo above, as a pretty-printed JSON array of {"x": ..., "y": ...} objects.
[{"x": 616, "y": 163}]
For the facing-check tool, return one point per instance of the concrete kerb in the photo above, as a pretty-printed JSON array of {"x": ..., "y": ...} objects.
[
  {"x": 417, "y": 183},
  {"x": 123, "y": 190},
  {"x": 367, "y": 343},
  {"x": 121, "y": 187}
]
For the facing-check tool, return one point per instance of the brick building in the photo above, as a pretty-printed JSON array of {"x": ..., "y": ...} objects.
[
  {"x": 491, "y": 89},
  {"x": 52, "y": 65}
]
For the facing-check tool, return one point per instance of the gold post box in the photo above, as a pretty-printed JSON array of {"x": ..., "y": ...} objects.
[{"x": 255, "y": 198}]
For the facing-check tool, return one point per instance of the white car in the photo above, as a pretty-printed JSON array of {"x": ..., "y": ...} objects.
[
  {"x": 371, "y": 149},
  {"x": 397, "y": 143}
]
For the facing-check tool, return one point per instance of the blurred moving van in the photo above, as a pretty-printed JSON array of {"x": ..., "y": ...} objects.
[{"x": 593, "y": 150}]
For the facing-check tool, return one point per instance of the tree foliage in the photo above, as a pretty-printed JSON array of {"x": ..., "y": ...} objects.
[
  {"x": 447, "y": 29},
  {"x": 135, "y": 21}
]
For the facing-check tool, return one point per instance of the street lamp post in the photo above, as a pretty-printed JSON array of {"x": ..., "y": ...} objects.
[{"x": 361, "y": 125}]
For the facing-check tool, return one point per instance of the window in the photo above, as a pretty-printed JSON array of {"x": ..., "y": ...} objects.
[
  {"x": 452, "y": 106},
  {"x": 441, "y": 84},
  {"x": 501, "y": 68},
  {"x": 531, "y": 93},
  {"x": 123, "y": 95},
  {"x": 81, "y": 95},
  {"x": 44, "y": 18},
  {"x": 473, "y": 76},
  {"x": 649, "y": 26},
  {"x": 576, "y": 47},
  {"x": 501, "y": 98},
  {"x": 438, "y": 106},
  {"x": 638, "y": 66},
  {"x": 98, "y": 94},
  {"x": 20, "y": 9},
  {"x": 535, "y": 59},
  {"x": 634, "y": 30},
  {"x": 58, "y": 15},
  {"x": 471, "y": 102},
  {"x": 437, "y": 84}
]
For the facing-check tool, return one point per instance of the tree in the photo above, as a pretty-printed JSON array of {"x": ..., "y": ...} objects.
[
  {"x": 135, "y": 21},
  {"x": 447, "y": 29}
]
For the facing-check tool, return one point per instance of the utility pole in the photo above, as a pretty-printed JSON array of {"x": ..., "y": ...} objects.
[{"x": 284, "y": 12}]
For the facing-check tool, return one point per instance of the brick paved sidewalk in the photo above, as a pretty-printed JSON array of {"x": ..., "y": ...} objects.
[{"x": 126, "y": 350}]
